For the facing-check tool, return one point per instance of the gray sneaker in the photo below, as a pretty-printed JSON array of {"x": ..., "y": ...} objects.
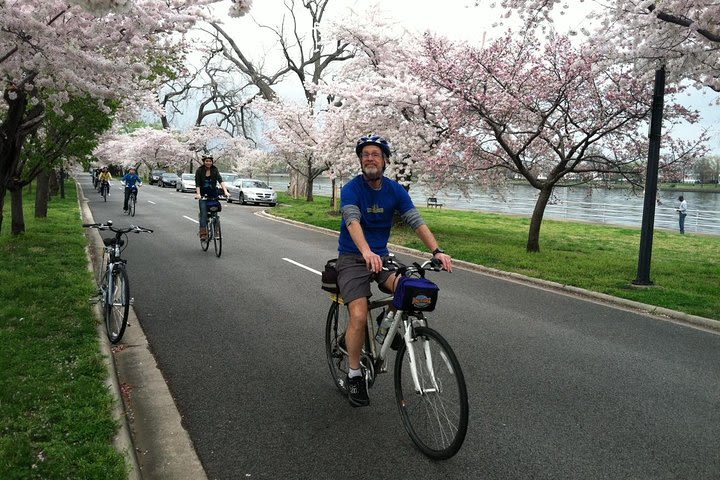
[{"x": 357, "y": 392}]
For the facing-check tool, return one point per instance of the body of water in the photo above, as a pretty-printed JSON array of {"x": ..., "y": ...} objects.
[{"x": 598, "y": 205}]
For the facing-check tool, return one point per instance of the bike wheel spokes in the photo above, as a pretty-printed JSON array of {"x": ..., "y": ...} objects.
[
  {"x": 217, "y": 237},
  {"x": 435, "y": 410},
  {"x": 337, "y": 321},
  {"x": 118, "y": 308}
]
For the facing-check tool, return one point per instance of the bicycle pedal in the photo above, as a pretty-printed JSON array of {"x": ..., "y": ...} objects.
[
  {"x": 94, "y": 300},
  {"x": 132, "y": 300}
]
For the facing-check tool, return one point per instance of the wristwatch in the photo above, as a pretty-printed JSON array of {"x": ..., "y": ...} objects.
[{"x": 438, "y": 250}]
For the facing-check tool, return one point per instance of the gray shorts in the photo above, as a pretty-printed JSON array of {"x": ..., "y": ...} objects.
[{"x": 354, "y": 278}]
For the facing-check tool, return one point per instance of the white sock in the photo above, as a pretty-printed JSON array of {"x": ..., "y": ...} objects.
[{"x": 354, "y": 372}]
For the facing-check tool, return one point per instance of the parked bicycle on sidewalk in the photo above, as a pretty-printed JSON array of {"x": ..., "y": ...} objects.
[
  {"x": 112, "y": 279},
  {"x": 430, "y": 389}
]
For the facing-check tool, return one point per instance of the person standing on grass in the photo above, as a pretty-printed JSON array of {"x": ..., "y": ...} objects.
[{"x": 682, "y": 213}]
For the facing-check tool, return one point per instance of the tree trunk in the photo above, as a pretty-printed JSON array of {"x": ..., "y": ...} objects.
[
  {"x": 42, "y": 194},
  {"x": 53, "y": 184},
  {"x": 62, "y": 182},
  {"x": 533, "y": 243},
  {"x": 17, "y": 122},
  {"x": 309, "y": 188},
  {"x": 309, "y": 184},
  {"x": 334, "y": 203},
  {"x": 17, "y": 225},
  {"x": 298, "y": 185}
]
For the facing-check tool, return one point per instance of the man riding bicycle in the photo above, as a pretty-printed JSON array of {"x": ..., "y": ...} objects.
[
  {"x": 368, "y": 206},
  {"x": 207, "y": 176},
  {"x": 131, "y": 182},
  {"x": 104, "y": 180}
]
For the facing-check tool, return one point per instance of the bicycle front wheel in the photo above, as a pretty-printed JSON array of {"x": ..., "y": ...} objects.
[
  {"x": 118, "y": 305},
  {"x": 105, "y": 192},
  {"x": 335, "y": 350},
  {"x": 217, "y": 238},
  {"x": 131, "y": 205},
  {"x": 205, "y": 244},
  {"x": 434, "y": 412}
]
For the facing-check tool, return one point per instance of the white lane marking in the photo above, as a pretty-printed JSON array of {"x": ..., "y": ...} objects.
[
  {"x": 191, "y": 219},
  {"x": 301, "y": 265},
  {"x": 150, "y": 201}
]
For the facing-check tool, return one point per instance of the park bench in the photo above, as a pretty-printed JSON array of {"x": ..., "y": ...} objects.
[{"x": 433, "y": 202}]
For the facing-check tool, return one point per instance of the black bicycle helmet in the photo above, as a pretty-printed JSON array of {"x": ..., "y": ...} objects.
[{"x": 372, "y": 140}]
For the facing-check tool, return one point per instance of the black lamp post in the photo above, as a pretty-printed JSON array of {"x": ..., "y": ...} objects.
[{"x": 651, "y": 180}]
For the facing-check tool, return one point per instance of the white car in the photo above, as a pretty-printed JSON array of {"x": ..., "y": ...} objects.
[
  {"x": 250, "y": 190},
  {"x": 186, "y": 183}
]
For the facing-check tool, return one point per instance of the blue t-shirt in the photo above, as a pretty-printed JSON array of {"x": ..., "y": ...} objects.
[
  {"x": 130, "y": 180},
  {"x": 377, "y": 209}
]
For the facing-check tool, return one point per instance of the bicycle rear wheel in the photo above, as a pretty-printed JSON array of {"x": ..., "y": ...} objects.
[
  {"x": 118, "y": 306},
  {"x": 217, "y": 237},
  {"x": 335, "y": 326},
  {"x": 436, "y": 416}
]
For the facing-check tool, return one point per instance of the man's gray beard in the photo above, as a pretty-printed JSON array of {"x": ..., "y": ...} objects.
[{"x": 374, "y": 176}]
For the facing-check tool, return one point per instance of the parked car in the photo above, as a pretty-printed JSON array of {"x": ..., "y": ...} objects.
[
  {"x": 168, "y": 179},
  {"x": 155, "y": 176},
  {"x": 250, "y": 190},
  {"x": 228, "y": 179},
  {"x": 186, "y": 183}
]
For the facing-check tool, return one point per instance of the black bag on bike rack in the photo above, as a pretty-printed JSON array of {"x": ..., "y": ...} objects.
[
  {"x": 329, "y": 277},
  {"x": 415, "y": 294},
  {"x": 213, "y": 206}
]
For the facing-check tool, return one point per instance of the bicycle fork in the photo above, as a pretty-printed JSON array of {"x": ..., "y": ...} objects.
[{"x": 411, "y": 343}]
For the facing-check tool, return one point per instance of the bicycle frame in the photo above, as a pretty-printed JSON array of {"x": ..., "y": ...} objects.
[{"x": 408, "y": 321}]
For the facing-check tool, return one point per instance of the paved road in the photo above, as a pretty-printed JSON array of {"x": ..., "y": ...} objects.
[{"x": 559, "y": 387}]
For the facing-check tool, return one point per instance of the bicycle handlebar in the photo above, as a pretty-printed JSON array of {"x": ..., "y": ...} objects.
[
  {"x": 391, "y": 264},
  {"x": 120, "y": 231}
]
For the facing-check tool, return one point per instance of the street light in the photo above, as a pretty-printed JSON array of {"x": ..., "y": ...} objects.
[{"x": 651, "y": 180}]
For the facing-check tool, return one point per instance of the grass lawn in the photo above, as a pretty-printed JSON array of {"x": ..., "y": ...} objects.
[
  {"x": 685, "y": 269},
  {"x": 55, "y": 410}
]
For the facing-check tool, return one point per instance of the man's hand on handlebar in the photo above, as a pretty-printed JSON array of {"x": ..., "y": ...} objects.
[{"x": 445, "y": 260}]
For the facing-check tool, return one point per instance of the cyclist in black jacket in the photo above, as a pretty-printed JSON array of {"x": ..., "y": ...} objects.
[{"x": 207, "y": 176}]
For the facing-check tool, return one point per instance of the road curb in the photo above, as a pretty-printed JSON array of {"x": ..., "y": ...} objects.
[
  {"x": 150, "y": 435},
  {"x": 652, "y": 310}
]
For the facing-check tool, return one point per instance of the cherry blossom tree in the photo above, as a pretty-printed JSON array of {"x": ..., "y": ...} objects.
[
  {"x": 548, "y": 115},
  {"x": 684, "y": 34},
  {"x": 173, "y": 150},
  {"x": 308, "y": 54},
  {"x": 52, "y": 50},
  {"x": 71, "y": 134},
  {"x": 373, "y": 92}
]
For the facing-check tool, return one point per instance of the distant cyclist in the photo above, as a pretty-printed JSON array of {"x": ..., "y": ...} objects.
[
  {"x": 207, "y": 177},
  {"x": 131, "y": 182},
  {"x": 369, "y": 203},
  {"x": 104, "y": 180}
]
